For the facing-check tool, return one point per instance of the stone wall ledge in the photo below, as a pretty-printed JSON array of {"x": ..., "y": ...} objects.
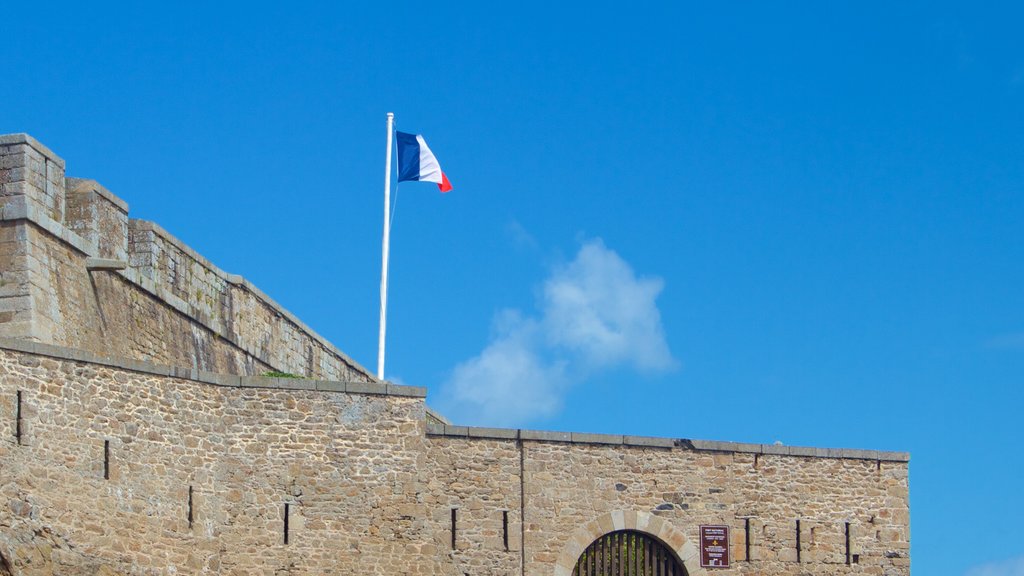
[
  {"x": 470, "y": 432},
  {"x": 211, "y": 378}
]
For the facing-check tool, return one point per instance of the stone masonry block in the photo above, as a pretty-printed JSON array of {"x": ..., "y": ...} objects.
[
  {"x": 894, "y": 456},
  {"x": 462, "y": 431},
  {"x": 219, "y": 379},
  {"x": 367, "y": 388},
  {"x": 138, "y": 366},
  {"x": 583, "y": 438},
  {"x": 16, "y": 329},
  {"x": 775, "y": 449},
  {"x": 618, "y": 520},
  {"x": 409, "y": 391},
  {"x": 648, "y": 441},
  {"x": 497, "y": 433},
  {"x": 293, "y": 383},
  {"x": 15, "y": 303},
  {"x": 545, "y": 436},
  {"x": 188, "y": 373},
  {"x": 747, "y": 448},
  {"x": 331, "y": 386},
  {"x": 859, "y": 454},
  {"x": 713, "y": 445},
  {"x": 802, "y": 451}
]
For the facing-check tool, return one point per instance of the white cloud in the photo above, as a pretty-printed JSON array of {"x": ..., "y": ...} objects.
[
  {"x": 509, "y": 381},
  {"x": 595, "y": 315},
  {"x": 1011, "y": 567},
  {"x": 598, "y": 308}
]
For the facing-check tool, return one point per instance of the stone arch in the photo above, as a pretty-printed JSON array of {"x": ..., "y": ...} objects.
[{"x": 669, "y": 535}]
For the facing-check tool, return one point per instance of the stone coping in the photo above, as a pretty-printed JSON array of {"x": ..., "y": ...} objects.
[
  {"x": 21, "y": 138},
  {"x": 227, "y": 380},
  {"x": 435, "y": 429}
]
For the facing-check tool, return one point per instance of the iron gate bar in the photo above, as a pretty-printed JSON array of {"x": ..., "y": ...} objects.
[{"x": 627, "y": 553}]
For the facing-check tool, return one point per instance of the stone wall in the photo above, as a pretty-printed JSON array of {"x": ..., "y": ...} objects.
[
  {"x": 106, "y": 460},
  {"x": 575, "y": 490},
  {"x": 136, "y": 437},
  {"x": 97, "y": 473},
  {"x": 77, "y": 271}
]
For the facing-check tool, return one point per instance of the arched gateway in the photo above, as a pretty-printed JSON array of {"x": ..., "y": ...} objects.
[
  {"x": 607, "y": 543},
  {"x": 628, "y": 553}
]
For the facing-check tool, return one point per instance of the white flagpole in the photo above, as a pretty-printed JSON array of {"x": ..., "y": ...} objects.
[{"x": 384, "y": 264}]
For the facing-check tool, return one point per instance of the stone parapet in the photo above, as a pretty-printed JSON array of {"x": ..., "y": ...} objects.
[
  {"x": 434, "y": 427},
  {"x": 212, "y": 378},
  {"x": 167, "y": 303},
  {"x": 111, "y": 464},
  {"x": 99, "y": 217},
  {"x": 32, "y": 172},
  {"x": 440, "y": 429},
  {"x": 227, "y": 304}
]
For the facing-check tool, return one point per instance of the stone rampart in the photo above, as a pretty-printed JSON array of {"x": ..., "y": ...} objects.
[
  {"x": 123, "y": 467},
  {"x": 77, "y": 271},
  {"x": 138, "y": 437}
]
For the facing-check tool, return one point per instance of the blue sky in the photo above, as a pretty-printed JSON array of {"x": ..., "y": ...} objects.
[{"x": 813, "y": 211}]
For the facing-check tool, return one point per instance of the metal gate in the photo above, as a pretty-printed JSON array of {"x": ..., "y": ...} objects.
[{"x": 627, "y": 553}]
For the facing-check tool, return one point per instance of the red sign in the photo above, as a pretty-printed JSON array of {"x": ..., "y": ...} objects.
[{"x": 714, "y": 546}]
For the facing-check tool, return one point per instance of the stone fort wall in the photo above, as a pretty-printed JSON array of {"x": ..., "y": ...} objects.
[
  {"x": 136, "y": 437},
  {"x": 121, "y": 467},
  {"x": 76, "y": 271}
]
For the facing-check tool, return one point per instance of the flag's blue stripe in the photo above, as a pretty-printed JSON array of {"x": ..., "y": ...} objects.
[{"x": 408, "y": 156}]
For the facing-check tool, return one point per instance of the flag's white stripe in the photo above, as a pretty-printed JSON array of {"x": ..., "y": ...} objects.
[{"x": 430, "y": 170}]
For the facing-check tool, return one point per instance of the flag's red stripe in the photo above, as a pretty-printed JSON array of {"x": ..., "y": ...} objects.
[{"x": 445, "y": 185}]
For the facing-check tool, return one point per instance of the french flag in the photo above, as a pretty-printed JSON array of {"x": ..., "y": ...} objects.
[{"x": 417, "y": 162}]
